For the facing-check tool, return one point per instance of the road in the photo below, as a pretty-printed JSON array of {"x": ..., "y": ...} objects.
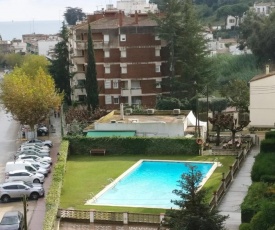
[{"x": 9, "y": 144}]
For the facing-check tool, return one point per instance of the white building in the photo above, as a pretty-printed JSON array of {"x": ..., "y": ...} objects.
[
  {"x": 262, "y": 106},
  {"x": 231, "y": 22},
  {"x": 264, "y": 8},
  {"x": 18, "y": 46},
  {"x": 46, "y": 46},
  {"x": 141, "y": 6}
]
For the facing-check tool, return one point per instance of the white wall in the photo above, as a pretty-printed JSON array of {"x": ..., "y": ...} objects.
[
  {"x": 262, "y": 104},
  {"x": 45, "y": 46},
  {"x": 146, "y": 129}
]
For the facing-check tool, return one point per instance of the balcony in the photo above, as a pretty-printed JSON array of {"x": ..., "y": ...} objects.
[
  {"x": 131, "y": 92},
  {"x": 98, "y": 44},
  {"x": 81, "y": 45},
  {"x": 80, "y": 76},
  {"x": 78, "y": 60}
]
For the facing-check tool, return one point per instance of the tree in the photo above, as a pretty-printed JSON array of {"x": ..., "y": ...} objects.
[
  {"x": 15, "y": 59},
  {"x": 91, "y": 80},
  {"x": 257, "y": 33},
  {"x": 73, "y": 14},
  {"x": 237, "y": 94},
  {"x": 218, "y": 122},
  {"x": 231, "y": 123},
  {"x": 29, "y": 98},
  {"x": 60, "y": 66},
  {"x": 32, "y": 63},
  {"x": 194, "y": 212},
  {"x": 187, "y": 47}
]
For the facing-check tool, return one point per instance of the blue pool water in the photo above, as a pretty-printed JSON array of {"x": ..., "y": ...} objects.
[{"x": 148, "y": 184}]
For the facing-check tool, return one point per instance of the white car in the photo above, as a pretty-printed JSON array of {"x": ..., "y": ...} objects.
[
  {"x": 32, "y": 152},
  {"x": 38, "y": 149},
  {"x": 36, "y": 164},
  {"x": 40, "y": 142},
  {"x": 36, "y": 145},
  {"x": 36, "y": 158},
  {"x": 24, "y": 175}
]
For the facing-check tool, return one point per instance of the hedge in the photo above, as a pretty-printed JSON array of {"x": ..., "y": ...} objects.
[
  {"x": 53, "y": 195},
  {"x": 133, "y": 145},
  {"x": 263, "y": 166},
  {"x": 252, "y": 202},
  {"x": 268, "y": 145},
  {"x": 270, "y": 135},
  {"x": 245, "y": 226}
]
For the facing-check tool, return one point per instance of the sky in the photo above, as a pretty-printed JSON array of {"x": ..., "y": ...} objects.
[{"x": 30, "y": 10}]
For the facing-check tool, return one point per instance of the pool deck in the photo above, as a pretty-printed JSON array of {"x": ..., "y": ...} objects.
[{"x": 237, "y": 191}]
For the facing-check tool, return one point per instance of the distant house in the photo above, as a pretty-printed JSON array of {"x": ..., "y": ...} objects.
[
  {"x": 262, "y": 106},
  {"x": 231, "y": 22},
  {"x": 264, "y": 8}
]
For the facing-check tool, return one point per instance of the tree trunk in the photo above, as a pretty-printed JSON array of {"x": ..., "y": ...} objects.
[{"x": 218, "y": 140}]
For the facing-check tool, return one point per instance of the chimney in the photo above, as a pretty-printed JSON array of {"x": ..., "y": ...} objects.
[
  {"x": 120, "y": 18},
  {"x": 136, "y": 17},
  {"x": 267, "y": 69}
]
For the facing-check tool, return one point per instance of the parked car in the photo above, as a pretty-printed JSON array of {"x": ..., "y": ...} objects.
[
  {"x": 41, "y": 169},
  {"x": 12, "y": 220},
  {"x": 35, "y": 163},
  {"x": 24, "y": 175},
  {"x": 32, "y": 152},
  {"x": 38, "y": 149},
  {"x": 36, "y": 158},
  {"x": 41, "y": 143},
  {"x": 24, "y": 165},
  {"x": 18, "y": 189},
  {"x": 36, "y": 145},
  {"x": 42, "y": 130}
]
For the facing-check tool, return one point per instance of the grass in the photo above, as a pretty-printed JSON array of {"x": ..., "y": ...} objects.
[{"x": 87, "y": 175}]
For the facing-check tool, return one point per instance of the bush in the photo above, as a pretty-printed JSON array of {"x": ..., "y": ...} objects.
[
  {"x": 168, "y": 103},
  {"x": 270, "y": 135},
  {"x": 268, "y": 146},
  {"x": 268, "y": 178},
  {"x": 264, "y": 219},
  {"x": 263, "y": 165},
  {"x": 245, "y": 226},
  {"x": 253, "y": 200},
  {"x": 133, "y": 145},
  {"x": 53, "y": 195}
]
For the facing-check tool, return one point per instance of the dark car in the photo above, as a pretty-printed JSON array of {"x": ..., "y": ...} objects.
[
  {"x": 12, "y": 220},
  {"x": 42, "y": 130}
]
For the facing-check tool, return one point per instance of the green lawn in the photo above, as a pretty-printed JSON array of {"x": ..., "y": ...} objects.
[{"x": 86, "y": 175}]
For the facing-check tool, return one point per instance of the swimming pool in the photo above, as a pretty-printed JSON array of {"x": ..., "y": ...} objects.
[{"x": 149, "y": 183}]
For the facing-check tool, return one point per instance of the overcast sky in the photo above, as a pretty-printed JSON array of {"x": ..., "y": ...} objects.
[{"x": 29, "y": 10}]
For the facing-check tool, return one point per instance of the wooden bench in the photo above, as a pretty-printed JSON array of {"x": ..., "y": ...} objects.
[{"x": 98, "y": 152}]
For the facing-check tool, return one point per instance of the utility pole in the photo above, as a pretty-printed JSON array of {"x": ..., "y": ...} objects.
[{"x": 25, "y": 212}]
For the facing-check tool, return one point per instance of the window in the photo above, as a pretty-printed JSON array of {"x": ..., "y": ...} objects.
[
  {"x": 231, "y": 20},
  {"x": 107, "y": 84},
  {"x": 124, "y": 69},
  {"x": 123, "y": 53},
  {"x": 81, "y": 83},
  {"x": 157, "y": 68},
  {"x": 81, "y": 97},
  {"x": 135, "y": 85},
  {"x": 106, "y": 53},
  {"x": 108, "y": 99},
  {"x": 158, "y": 83},
  {"x": 115, "y": 84},
  {"x": 123, "y": 37},
  {"x": 107, "y": 69},
  {"x": 106, "y": 38},
  {"x": 116, "y": 100},
  {"x": 157, "y": 51}
]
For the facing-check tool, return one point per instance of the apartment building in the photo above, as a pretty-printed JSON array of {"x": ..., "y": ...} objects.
[{"x": 131, "y": 61}]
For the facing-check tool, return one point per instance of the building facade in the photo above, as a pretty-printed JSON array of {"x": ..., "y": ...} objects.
[
  {"x": 262, "y": 107},
  {"x": 131, "y": 61}
]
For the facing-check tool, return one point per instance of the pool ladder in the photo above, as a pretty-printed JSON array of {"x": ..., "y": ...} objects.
[
  {"x": 94, "y": 199},
  {"x": 111, "y": 180}
]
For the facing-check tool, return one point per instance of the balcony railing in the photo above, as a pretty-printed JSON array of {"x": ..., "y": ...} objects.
[
  {"x": 81, "y": 45},
  {"x": 131, "y": 92},
  {"x": 78, "y": 60}
]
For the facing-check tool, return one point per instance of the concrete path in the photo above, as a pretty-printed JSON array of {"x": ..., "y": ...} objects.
[{"x": 231, "y": 202}]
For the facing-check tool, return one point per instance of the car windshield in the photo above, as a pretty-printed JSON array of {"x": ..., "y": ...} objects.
[
  {"x": 9, "y": 220},
  {"x": 28, "y": 184}
]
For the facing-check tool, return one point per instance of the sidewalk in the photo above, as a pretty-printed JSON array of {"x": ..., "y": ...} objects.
[
  {"x": 38, "y": 214},
  {"x": 232, "y": 200}
]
